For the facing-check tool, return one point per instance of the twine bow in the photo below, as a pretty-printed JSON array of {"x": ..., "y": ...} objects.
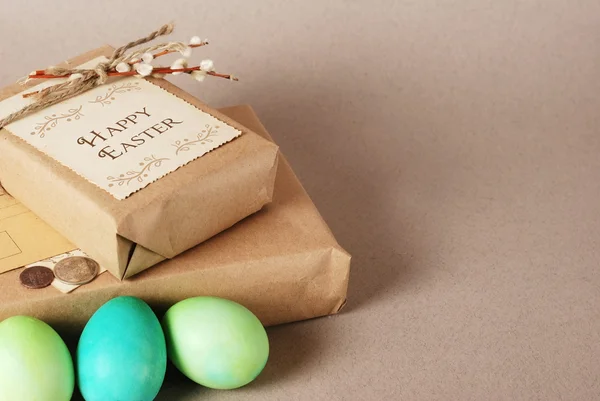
[{"x": 87, "y": 79}]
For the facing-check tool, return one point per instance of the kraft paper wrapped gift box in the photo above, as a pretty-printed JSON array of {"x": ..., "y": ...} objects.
[
  {"x": 282, "y": 262},
  {"x": 169, "y": 216}
]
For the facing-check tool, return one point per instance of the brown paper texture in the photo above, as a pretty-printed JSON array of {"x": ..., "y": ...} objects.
[
  {"x": 282, "y": 262},
  {"x": 168, "y": 217}
]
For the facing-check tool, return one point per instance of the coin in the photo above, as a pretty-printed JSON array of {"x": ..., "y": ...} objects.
[
  {"x": 36, "y": 277},
  {"x": 76, "y": 270}
]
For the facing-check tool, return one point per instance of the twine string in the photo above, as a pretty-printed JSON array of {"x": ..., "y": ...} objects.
[{"x": 91, "y": 78}]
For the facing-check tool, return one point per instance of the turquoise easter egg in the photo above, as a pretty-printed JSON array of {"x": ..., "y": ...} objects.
[
  {"x": 122, "y": 354},
  {"x": 35, "y": 363},
  {"x": 215, "y": 342}
]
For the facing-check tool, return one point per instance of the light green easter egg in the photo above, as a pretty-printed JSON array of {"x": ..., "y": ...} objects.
[
  {"x": 35, "y": 363},
  {"x": 216, "y": 342}
]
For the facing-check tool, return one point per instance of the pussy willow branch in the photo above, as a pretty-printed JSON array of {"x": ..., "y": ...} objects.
[
  {"x": 157, "y": 70},
  {"x": 42, "y": 73},
  {"x": 165, "y": 52}
]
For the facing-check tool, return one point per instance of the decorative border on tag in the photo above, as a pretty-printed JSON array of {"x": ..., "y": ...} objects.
[
  {"x": 113, "y": 91},
  {"x": 139, "y": 176},
  {"x": 202, "y": 138},
  {"x": 53, "y": 120}
]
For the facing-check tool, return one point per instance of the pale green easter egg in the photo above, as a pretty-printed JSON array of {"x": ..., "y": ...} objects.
[
  {"x": 35, "y": 363},
  {"x": 216, "y": 342}
]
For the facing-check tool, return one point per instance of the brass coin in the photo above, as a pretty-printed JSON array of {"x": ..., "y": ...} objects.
[
  {"x": 76, "y": 270},
  {"x": 36, "y": 277}
]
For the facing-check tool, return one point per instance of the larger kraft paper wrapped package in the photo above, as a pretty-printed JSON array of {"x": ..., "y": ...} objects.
[
  {"x": 169, "y": 216},
  {"x": 282, "y": 262}
]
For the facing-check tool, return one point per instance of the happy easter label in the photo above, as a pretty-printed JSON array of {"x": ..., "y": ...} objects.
[{"x": 121, "y": 136}]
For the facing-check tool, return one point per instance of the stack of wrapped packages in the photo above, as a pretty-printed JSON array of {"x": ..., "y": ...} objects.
[{"x": 171, "y": 198}]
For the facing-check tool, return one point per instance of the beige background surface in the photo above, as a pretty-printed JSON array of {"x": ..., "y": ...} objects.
[{"x": 453, "y": 146}]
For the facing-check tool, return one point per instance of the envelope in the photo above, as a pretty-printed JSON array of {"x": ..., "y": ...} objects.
[{"x": 24, "y": 237}]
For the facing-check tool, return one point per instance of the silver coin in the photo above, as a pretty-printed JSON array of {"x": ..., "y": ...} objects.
[{"x": 76, "y": 270}]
